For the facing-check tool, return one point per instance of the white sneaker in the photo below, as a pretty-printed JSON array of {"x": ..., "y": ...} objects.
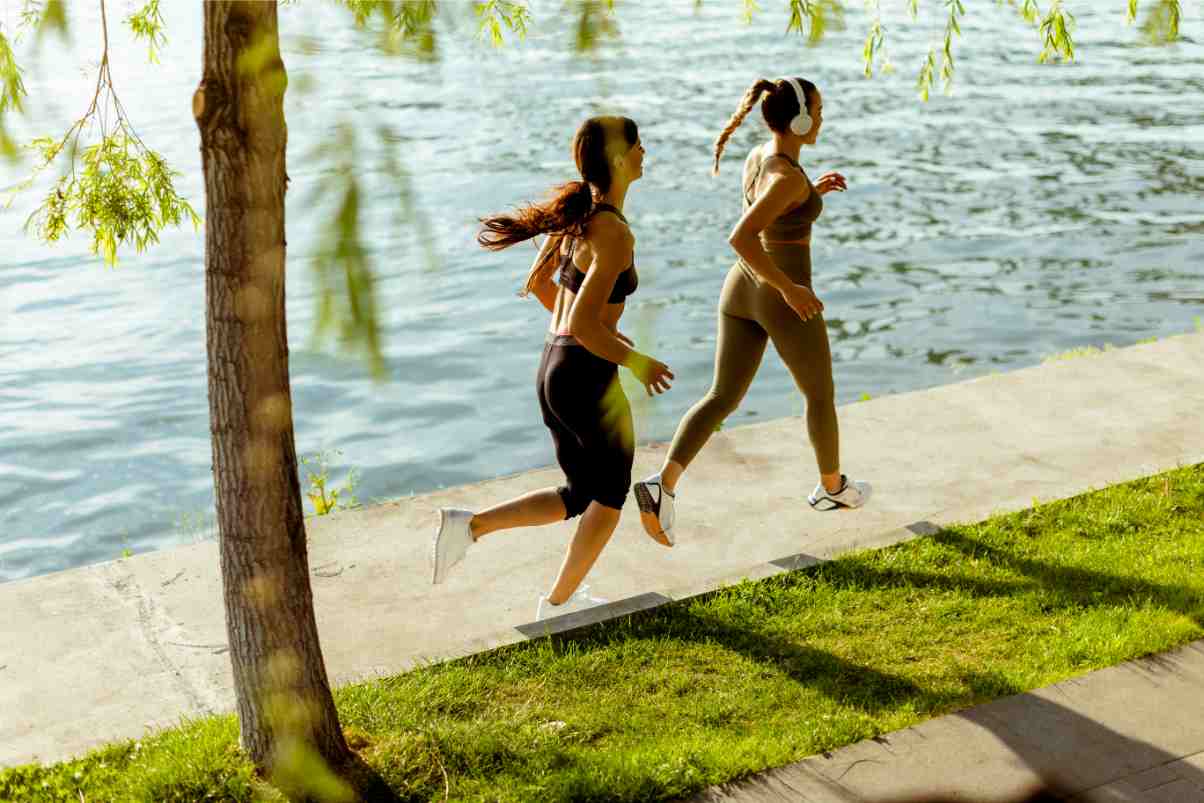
[
  {"x": 451, "y": 542},
  {"x": 851, "y": 494},
  {"x": 656, "y": 509},
  {"x": 580, "y": 601}
]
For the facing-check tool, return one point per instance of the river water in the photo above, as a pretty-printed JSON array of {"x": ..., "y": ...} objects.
[{"x": 1034, "y": 210}]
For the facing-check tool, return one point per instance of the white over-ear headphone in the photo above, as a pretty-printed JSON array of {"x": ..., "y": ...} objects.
[{"x": 801, "y": 124}]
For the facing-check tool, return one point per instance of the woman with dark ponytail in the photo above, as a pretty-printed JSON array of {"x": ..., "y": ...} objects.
[
  {"x": 590, "y": 247},
  {"x": 767, "y": 296}
]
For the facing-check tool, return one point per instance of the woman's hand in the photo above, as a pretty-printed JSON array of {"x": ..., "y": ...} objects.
[
  {"x": 653, "y": 374},
  {"x": 830, "y": 182},
  {"x": 802, "y": 301}
]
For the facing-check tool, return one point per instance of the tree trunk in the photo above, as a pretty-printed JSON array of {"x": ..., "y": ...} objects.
[{"x": 284, "y": 700}]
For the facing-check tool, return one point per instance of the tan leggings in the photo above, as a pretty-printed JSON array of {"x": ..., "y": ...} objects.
[{"x": 750, "y": 314}]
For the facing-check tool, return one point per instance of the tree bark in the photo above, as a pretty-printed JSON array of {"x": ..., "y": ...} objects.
[{"x": 283, "y": 696}]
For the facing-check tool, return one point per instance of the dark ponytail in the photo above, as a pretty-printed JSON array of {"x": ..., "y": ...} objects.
[{"x": 566, "y": 212}]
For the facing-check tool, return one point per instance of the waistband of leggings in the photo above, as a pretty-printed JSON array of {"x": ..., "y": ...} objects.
[{"x": 561, "y": 340}]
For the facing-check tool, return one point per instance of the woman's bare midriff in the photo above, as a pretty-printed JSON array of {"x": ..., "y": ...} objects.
[
  {"x": 564, "y": 307},
  {"x": 565, "y": 298}
]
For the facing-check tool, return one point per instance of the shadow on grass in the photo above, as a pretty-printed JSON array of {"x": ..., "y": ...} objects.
[
  {"x": 867, "y": 688},
  {"x": 746, "y": 627},
  {"x": 367, "y": 783},
  {"x": 1086, "y": 587}
]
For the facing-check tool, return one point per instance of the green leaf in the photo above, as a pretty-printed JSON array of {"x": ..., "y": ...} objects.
[
  {"x": 121, "y": 192},
  {"x": 45, "y": 17},
  {"x": 1056, "y": 27},
  {"x": 594, "y": 22},
  {"x": 494, "y": 15},
  {"x": 1161, "y": 24},
  {"x": 927, "y": 71},
  {"x": 750, "y": 9},
  {"x": 405, "y": 27},
  {"x": 820, "y": 14},
  {"x": 798, "y": 10},
  {"x": 147, "y": 23},
  {"x": 874, "y": 38},
  {"x": 827, "y": 15},
  {"x": 12, "y": 88}
]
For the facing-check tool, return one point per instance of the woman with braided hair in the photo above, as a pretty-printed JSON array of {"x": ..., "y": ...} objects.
[
  {"x": 767, "y": 296},
  {"x": 590, "y": 248}
]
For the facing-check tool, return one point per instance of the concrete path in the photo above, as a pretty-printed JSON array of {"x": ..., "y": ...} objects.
[
  {"x": 1129, "y": 734},
  {"x": 106, "y": 651}
]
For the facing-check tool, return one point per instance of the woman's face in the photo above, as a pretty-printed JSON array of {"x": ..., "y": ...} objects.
[
  {"x": 630, "y": 163},
  {"x": 817, "y": 118},
  {"x": 635, "y": 159}
]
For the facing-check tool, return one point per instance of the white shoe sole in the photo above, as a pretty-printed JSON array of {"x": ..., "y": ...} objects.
[
  {"x": 864, "y": 487},
  {"x": 443, "y": 522}
]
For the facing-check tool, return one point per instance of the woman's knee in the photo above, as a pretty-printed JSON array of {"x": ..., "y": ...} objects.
[
  {"x": 821, "y": 395},
  {"x": 720, "y": 402},
  {"x": 575, "y": 500},
  {"x": 609, "y": 487}
]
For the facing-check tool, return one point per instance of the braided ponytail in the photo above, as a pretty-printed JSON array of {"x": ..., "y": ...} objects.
[{"x": 750, "y": 99}]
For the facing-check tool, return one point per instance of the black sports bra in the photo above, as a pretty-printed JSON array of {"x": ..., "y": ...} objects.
[{"x": 572, "y": 277}]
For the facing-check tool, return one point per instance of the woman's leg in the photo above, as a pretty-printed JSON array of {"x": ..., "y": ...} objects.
[
  {"x": 597, "y": 525},
  {"x": 545, "y": 506},
  {"x": 738, "y": 351},
  {"x": 599, "y": 476},
  {"x": 803, "y": 346}
]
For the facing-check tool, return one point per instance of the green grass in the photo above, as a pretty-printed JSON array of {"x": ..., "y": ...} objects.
[
  {"x": 1076, "y": 353},
  {"x": 757, "y": 675}
]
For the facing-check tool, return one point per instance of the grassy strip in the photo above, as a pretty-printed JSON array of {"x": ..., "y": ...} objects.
[{"x": 754, "y": 676}]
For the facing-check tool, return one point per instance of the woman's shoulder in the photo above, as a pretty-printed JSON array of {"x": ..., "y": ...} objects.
[{"x": 608, "y": 229}]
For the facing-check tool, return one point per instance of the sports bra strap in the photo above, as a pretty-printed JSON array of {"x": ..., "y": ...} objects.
[
  {"x": 607, "y": 208},
  {"x": 757, "y": 175}
]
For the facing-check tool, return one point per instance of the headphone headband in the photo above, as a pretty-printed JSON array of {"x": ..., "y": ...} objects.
[{"x": 801, "y": 123}]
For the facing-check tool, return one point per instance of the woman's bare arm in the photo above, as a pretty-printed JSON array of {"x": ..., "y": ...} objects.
[
  {"x": 783, "y": 190},
  {"x": 546, "y": 289}
]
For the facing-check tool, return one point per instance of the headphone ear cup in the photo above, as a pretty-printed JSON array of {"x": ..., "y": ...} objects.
[{"x": 801, "y": 124}]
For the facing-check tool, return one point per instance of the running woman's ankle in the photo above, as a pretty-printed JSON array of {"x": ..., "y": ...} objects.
[
  {"x": 670, "y": 475},
  {"x": 474, "y": 528},
  {"x": 832, "y": 484}
]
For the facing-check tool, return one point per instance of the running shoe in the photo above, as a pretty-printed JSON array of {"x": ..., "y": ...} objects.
[
  {"x": 580, "y": 601},
  {"x": 451, "y": 542},
  {"x": 851, "y": 494},
  {"x": 656, "y": 509}
]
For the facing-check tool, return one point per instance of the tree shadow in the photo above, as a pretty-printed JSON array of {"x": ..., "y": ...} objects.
[
  {"x": 1088, "y": 587},
  {"x": 868, "y": 688},
  {"x": 1068, "y": 751},
  {"x": 368, "y": 785},
  {"x": 1073, "y": 754}
]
